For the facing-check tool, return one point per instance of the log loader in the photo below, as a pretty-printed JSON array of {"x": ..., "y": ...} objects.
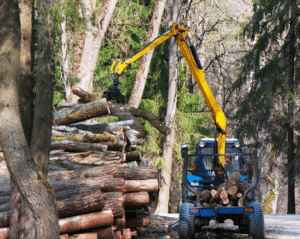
[{"x": 218, "y": 165}]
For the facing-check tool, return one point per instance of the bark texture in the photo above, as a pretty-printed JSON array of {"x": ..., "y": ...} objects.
[
  {"x": 145, "y": 61},
  {"x": 164, "y": 193},
  {"x": 93, "y": 38},
  {"x": 32, "y": 185},
  {"x": 26, "y": 107}
]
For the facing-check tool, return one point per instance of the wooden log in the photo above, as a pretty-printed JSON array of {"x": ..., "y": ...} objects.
[
  {"x": 118, "y": 234},
  {"x": 149, "y": 185},
  {"x": 4, "y": 219},
  {"x": 120, "y": 223},
  {"x": 4, "y": 233},
  {"x": 131, "y": 136},
  {"x": 133, "y": 156},
  {"x": 204, "y": 196},
  {"x": 70, "y": 202},
  {"x": 56, "y": 133},
  {"x": 104, "y": 183},
  {"x": 84, "y": 96},
  {"x": 133, "y": 233},
  {"x": 241, "y": 202},
  {"x": 86, "y": 235},
  {"x": 121, "y": 123},
  {"x": 92, "y": 138},
  {"x": 126, "y": 233},
  {"x": 107, "y": 170},
  {"x": 213, "y": 193},
  {"x": 136, "y": 199},
  {"x": 4, "y": 199},
  {"x": 98, "y": 158},
  {"x": 86, "y": 221},
  {"x": 141, "y": 173},
  {"x": 75, "y": 201},
  {"x": 65, "y": 128},
  {"x": 105, "y": 233},
  {"x": 5, "y": 206},
  {"x": 138, "y": 221},
  {"x": 233, "y": 183},
  {"x": 121, "y": 111},
  {"x": 102, "y": 128},
  {"x": 66, "y": 105},
  {"x": 125, "y": 112},
  {"x": 74, "y": 146},
  {"x": 81, "y": 112},
  {"x": 117, "y": 171},
  {"x": 114, "y": 201},
  {"x": 243, "y": 187},
  {"x": 152, "y": 118}
]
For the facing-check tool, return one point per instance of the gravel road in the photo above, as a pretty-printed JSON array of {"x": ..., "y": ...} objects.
[{"x": 276, "y": 227}]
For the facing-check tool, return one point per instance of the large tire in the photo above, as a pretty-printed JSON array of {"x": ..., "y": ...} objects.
[
  {"x": 186, "y": 222},
  {"x": 256, "y": 221}
]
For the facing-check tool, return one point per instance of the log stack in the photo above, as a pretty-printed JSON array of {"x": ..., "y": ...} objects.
[
  {"x": 103, "y": 202},
  {"x": 110, "y": 199},
  {"x": 228, "y": 194}
]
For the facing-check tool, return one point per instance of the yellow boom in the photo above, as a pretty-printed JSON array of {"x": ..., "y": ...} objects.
[{"x": 180, "y": 33}]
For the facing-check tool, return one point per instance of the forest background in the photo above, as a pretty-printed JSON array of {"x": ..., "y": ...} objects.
[
  {"x": 241, "y": 46},
  {"x": 249, "y": 50}
]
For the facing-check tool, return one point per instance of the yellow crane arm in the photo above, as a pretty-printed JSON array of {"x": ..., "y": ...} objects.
[{"x": 180, "y": 33}]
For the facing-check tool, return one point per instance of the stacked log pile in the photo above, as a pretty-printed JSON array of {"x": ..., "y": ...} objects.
[
  {"x": 228, "y": 194},
  {"x": 110, "y": 199}
]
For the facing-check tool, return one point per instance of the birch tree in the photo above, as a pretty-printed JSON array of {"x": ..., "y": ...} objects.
[{"x": 164, "y": 191}]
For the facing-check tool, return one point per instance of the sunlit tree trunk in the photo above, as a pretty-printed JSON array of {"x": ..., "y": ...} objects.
[
  {"x": 145, "y": 61},
  {"x": 165, "y": 182},
  {"x": 64, "y": 55},
  {"x": 95, "y": 31}
]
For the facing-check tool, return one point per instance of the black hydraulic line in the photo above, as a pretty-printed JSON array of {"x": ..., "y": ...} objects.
[{"x": 195, "y": 55}]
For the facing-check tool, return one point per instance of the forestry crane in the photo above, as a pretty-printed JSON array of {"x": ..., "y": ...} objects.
[{"x": 216, "y": 184}]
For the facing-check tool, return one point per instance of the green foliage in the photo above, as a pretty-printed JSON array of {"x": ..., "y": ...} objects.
[
  {"x": 149, "y": 105},
  {"x": 126, "y": 36},
  {"x": 268, "y": 62}
]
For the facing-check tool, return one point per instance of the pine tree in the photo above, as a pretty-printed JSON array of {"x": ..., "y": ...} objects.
[{"x": 269, "y": 78}]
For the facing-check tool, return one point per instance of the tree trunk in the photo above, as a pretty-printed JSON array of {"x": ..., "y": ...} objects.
[
  {"x": 142, "y": 73},
  {"x": 164, "y": 192},
  {"x": 114, "y": 201},
  {"x": 93, "y": 38},
  {"x": 64, "y": 54},
  {"x": 291, "y": 207},
  {"x": 31, "y": 184},
  {"x": 26, "y": 96}
]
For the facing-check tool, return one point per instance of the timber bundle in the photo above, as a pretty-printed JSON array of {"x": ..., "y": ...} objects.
[
  {"x": 110, "y": 199},
  {"x": 228, "y": 194}
]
